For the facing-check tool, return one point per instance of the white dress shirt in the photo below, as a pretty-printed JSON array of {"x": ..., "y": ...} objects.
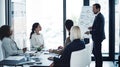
[{"x": 36, "y": 40}]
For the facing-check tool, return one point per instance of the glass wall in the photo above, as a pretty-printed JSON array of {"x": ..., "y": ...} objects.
[
  {"x": 49, "y": 13},
  {"x": 105, "y": 11},
  {"x": 2, "y": 12},
  {"x": 73, "y": 10},
  {"x": 117, "y": 26},
  {"x": 18, "y": 22}
]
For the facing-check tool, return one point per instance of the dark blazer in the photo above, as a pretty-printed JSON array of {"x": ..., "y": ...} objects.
[
  {"x": 64, "y": 60},
  {"x": 97, "y": 32}
]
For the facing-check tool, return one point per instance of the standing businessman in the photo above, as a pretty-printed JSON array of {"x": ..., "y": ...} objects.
[{"x": 98, "y": 34}]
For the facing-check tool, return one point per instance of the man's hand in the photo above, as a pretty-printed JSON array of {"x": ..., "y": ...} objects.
[
  {"x": 42, "y": 46},
  {"x": 90, "y": 28},
  {"x": 50, "y": 50},
  {"x": 24, "y": 50},
  {"x": 87, "y": 32},
  {"x": 50, "y": 58},
  {"x": 60, "y": 47}
]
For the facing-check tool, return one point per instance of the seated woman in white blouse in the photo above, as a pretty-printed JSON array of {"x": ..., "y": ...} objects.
[{"x": 36, "y": 38}]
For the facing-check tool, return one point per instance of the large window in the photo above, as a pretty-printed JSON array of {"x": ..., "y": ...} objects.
[
  {"x": 18, "y": 22},
  {"x": 49, "y": 13},
  {"x": 117, "y": 26},
  {"x": 2, "y": 12},
  {"x": 73, "y": 10}
]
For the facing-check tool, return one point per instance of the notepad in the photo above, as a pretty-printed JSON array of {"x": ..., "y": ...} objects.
[{"x": 17, "y": 58}]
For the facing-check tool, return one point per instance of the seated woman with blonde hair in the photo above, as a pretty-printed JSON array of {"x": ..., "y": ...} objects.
[{"x": 76, "y": 44}]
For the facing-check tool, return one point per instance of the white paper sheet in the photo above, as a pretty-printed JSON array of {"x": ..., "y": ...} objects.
[{"x": 15, "y": 58}]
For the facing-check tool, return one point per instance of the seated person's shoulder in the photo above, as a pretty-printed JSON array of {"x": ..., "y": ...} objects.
[{"x": 6, "y": 39}]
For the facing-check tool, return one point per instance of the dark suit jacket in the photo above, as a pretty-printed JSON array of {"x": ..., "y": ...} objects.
[
  {"x": 64, "y": 60},
  {"x": 97, "y": 32}
]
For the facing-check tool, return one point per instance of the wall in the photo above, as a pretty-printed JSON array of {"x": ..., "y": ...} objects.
[{"x": 2, "y": 12}]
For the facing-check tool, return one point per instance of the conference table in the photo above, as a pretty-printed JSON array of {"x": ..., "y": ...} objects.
[{"x": 29, "y": 59}]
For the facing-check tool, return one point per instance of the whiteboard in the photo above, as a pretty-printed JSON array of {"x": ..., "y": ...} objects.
[{"x": 86, "y": 19}]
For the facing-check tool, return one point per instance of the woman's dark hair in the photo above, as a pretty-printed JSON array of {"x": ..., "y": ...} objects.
[
  {"x": 34, "y": 26},
  {"x": 68, "y": 24},
  {"x": 5, "y": 31}
]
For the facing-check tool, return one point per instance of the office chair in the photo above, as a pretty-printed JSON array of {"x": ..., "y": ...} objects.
[{"x": 81, "y": 58}]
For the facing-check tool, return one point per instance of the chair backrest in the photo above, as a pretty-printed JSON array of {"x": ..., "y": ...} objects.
[
  {"x": 81, "y": 58},
  {"x": 1, "y": 52}
]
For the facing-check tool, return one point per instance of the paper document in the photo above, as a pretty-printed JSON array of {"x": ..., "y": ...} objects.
[
  {"x": 86, "y": 19},
  {"x": 15, "y": 58}
]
